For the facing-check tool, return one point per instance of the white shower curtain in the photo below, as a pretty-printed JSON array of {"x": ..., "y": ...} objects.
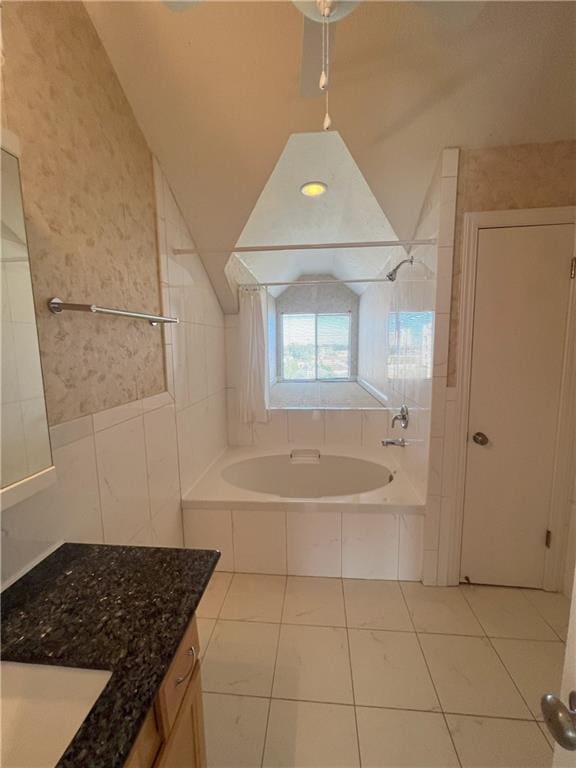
[{"x": 254, "y": 385}]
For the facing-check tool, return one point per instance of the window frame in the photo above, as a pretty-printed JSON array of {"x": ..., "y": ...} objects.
[{"x": 316, "y": 315}]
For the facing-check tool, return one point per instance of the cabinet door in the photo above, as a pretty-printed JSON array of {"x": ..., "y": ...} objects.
[{"x": 185, "y": 746}]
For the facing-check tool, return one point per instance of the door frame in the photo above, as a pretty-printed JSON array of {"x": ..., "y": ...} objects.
[{"x": 566, "y": 425}]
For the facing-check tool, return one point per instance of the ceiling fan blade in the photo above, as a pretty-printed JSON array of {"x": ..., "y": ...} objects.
[{"x": 311, "y": 57}]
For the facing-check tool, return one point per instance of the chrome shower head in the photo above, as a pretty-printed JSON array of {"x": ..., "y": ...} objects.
[{"x": 394, "y": 272}]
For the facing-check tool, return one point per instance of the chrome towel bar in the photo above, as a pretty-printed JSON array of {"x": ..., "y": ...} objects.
[{"x": 56, "y": 306}]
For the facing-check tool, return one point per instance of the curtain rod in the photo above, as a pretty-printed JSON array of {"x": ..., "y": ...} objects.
[
  {"x": 252, "y": 286},
  {"x": 307, "y": 247}
]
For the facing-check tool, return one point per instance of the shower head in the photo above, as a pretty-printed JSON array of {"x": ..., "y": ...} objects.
[{"x": 394, "y": 272}]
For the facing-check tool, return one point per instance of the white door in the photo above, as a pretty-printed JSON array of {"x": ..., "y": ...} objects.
[
  {"x": 564, "y": 758},
  {"x": 520, "y": 323}
]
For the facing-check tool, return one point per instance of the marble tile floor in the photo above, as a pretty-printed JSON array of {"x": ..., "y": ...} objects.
[
  {"x": 304, "y": 672},
  {"x": 321, "y": 394}
]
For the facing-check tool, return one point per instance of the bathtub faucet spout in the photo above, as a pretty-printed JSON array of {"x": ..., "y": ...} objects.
[{"x": 399, "y": 441}]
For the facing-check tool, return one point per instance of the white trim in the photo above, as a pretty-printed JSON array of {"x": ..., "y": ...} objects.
[
  {"x": 473, "y": 222},
  {"x": 28, "y": 486}
]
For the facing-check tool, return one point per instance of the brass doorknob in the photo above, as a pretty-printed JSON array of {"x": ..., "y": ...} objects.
[{"x": 480, "y": 438}]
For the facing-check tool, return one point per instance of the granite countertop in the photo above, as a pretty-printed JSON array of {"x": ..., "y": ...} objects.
[{"x": 121, "y": 609}]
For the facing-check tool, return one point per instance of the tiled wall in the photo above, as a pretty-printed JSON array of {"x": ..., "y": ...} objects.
[
  {"x": 195, "y": 353},
  {"x": 89, "y": 204},
  {"x": 311, "y": 540},
  {"x": 117, "y": 483},
  {"x": 121, "y": 472}
]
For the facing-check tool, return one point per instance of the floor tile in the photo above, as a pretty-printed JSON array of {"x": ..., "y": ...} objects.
[
  {"x": 375, "y": 605},
  {"x": 547, "y": 735},
  {"x": 470, "y": 678},
  {"x": 385, "y": 741},
  {"x": 235, "y": 729},
  {"x": 314, "y": 600},
  {"x": 389, "y": 670},
  {"x": 506, "y": 612},
  {"x": 553, "y": 607},
  {"x": 211, "y": 602},
  {"x": 254, "y": 598},
  {"x": 240, "y": 658},
  {"x": 313, "y": 664},
  {"x": 205, "y": 628},
  {"x": 535, "y": 666},
  {"x": 311, "y": 735},
  {"x": 489, "y": 742},
  {"x": 440, "y": 609}
]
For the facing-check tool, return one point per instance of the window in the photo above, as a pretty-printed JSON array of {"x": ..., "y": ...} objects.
[
  {"x": 410, "y": 336},
  {"x": 315, "y": 347}
]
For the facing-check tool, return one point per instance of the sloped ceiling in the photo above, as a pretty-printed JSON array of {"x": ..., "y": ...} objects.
[
  {"x": 348, "y": 212},
  {"x": 216, "y": 90}
]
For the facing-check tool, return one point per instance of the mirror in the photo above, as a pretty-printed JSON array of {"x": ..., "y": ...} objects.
[{"x": 25, "y": 442}]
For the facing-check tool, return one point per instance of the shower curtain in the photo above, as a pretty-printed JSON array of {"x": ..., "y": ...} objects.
[{"x": 254, "y": 385}]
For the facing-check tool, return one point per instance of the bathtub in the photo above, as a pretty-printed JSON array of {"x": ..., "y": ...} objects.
[{"x": 352, "y": 513}]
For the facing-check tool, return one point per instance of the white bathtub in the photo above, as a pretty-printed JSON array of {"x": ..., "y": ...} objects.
[{"x": 353, "y": 514}]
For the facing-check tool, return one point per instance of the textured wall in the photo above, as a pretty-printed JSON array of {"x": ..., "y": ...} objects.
[
  {"x": 502, "y": 178},
  {"x": 89, "y": 202},
  {"x": 319, "y": 298}
]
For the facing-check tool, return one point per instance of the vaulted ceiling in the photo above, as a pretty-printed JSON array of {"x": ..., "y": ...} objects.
[{"x": 217, "y": 92}]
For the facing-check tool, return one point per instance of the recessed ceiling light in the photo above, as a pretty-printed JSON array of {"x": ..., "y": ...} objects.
[{"x": 313, "y": 188}]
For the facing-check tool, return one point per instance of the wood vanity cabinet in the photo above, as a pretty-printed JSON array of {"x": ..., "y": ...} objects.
[{"x": 172, "y": 735}]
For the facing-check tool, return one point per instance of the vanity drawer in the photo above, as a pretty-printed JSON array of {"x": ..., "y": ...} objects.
[{"x": 178, "y": 677}]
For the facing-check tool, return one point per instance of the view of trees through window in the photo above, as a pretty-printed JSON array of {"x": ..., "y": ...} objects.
[{"x": 315, "y": 346}]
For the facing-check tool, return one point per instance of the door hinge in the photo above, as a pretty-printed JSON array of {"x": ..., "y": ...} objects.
[
  {"x": 573, "y": 268},
  {"x": 548, "y": 538}
]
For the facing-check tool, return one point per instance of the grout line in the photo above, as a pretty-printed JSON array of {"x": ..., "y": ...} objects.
[
  {"x": 498, "y": 655},
  {"x": 351, "y": 672},
  {"x": 431, "y": 678},
  {"x": 539, "y": 612},
  {"x": 274, "y": 671}
]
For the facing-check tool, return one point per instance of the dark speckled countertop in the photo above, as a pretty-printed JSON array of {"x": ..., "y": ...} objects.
[{"x": 122, "y": 609}]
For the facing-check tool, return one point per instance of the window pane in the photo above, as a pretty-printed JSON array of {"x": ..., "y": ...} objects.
[
  {"x": 410, "y": 336},
  {"x": 298, "y": 346},
  {"x": 334, "y": 346}
]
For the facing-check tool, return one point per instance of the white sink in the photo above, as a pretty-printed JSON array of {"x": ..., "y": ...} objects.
[{"x": 42, "y": 708}]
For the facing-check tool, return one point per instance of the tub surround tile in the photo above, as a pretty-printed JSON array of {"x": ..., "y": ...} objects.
[
  {"x": 384, "y": 742},
  {"x": 43, "y": 622},
  {"x": 235, "y": 727},
  {"x": 314, "y": 542},
  {"x": 343, "y": 428},
  {"x": 274, "y": 432},
  {"x": 308, "y": 735},
  {"x": 211, "y": 529},
  {"x": 410, "y": 547},
  {"x": 314, "y": 601},
  {"x": 369, "y": 545},
  {"x": 313, "y": 663},
  {"x": 470, "y": 678},
  {"x": 162, "y": 458},
  {"x": 306, "y": 428},
  {"x": 259, "y": 541},
  {"x": 254, "y": 598},
  {"x": 375, "y": 605},
  {"x": 389, "y": 671},
  {"x": 240, "y": 658},
  {"x": 112, "y": 416}
]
